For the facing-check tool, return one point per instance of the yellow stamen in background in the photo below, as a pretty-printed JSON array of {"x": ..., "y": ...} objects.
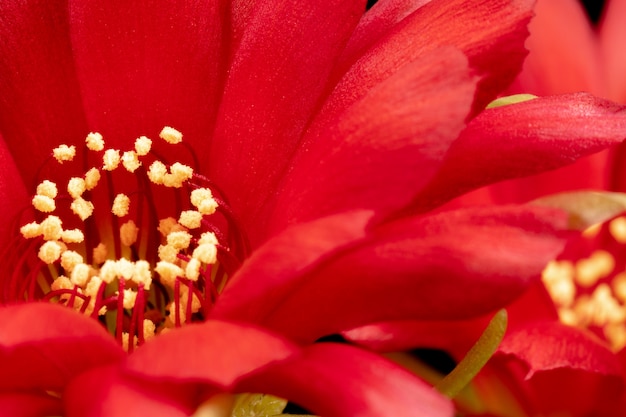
[
  {"x": 617, "y": 228},
  {"x": 91, "y": 178},
  {"x": 171, "y": 135},
  {"x": 82, "y": 208},
  {"x": 99, "y": 253},
  {"x": 76, "y": 187},
  {"x": 121, "y": 205},
  {"x": 64, "y": 153},
  {"x": 599, "y": 265},
  {"x": 110, "y": 159},
  {"x": 94, "y": 141},
  {"x": 143, "y": 145},
  {"x": 129, "y": 233}
]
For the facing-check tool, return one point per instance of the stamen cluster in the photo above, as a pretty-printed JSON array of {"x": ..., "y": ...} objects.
[{"x": 96, "y": 280}]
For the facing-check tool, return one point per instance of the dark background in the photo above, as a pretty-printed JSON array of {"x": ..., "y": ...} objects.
[{"x": 594, "y": 7}]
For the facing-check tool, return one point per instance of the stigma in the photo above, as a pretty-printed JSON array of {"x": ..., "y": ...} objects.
[
  {"x": 136, "y": 242},
  {"x": 588, "y": 283}
]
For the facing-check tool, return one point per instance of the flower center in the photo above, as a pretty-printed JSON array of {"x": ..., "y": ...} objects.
[
  {"x": 142, "y": 249},
  {"x": 588, "y": 282}
]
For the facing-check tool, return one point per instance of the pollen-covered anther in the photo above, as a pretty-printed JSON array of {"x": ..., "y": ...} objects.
[
  {"x": 69, "y": 259},
  {"x": 191, "y": 219},
  {"x": 179, "y": 174},
  {"x": 108, "y": 271},
  {"x": 143, "y": 145},
  {"x": 129, "y": 233},
  {"x": 31, "y": 230},
  {"x": 179, "y": 240},
  {"x": 203, "y": 200},
  {"x": 130, "y": 161},
  {"x": 208, "y": 237},
  {"x": 168, "y": 253},
  {"x": 169, "y": 225},
  {"x": 157, "y": 172},
  {"x": 51, "y": 228},
  {"x": 142, "y": 274},
  {"x": 110, "y": 159},
  {"x": 206, "y": 253},
  {"x": 44, "y": 203},
  {"x": 121, "y": 205},
  {"x": 171, "y": 135},
  {"x": 99, "y": 253},
  {"x": 94, "y": 141},
  {"x": 72, "y": 236},
  {"x": 125, "y": 268},
  {"x": 82, "y": 208},
  {"x": 64, "y": 153},
  {"x": 91, "y": 178},
  {"x": 76, "y": 187},
  {"x": 599, "y": 265},
  {"x": 50, "y": 251},
  {"x": 558, "y": 277},
  {"x": 168, "y": 273},
  {"x": 617, "y": 228},
  {"x": 192, "y": 270},
  {"x": 61, "y": 283},
  {"x": 80, "y": 274},
  {"x": 130, "y": 296},
  {"x": 47, "y": 188}
]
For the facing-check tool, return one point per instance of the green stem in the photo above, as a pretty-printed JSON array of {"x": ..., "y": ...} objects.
[{"x": 476, "y": 358}]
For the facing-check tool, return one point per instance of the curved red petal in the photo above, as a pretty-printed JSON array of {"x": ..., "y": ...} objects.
[
  {"x": 106, "y": 392},
  {"x": 612, "y": 34},
  {"x": 498, "y": 144},
  {"x": 44, "y": 346},
  {"x": 39, "y": 94},
  {"x": 26, "y": 404},
  {"x": 378, "y": 153},
  {"x": 13, "y": 195},
  {"x": 276, "y": 78},
  {"x": 337, "y": 380},
  {"x": 215, "y": 353},
  {"x": 276, "y": 268},
  {"x": 143, "y": 65}
]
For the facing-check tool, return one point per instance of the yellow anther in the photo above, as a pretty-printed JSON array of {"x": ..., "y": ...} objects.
[
  {"x": 616, "y": 335},
  {"x": 606, "y": 309},
  {"x": 125, "y": 268},
  {"x": 51, "y": 228},
  {"x": 206, "y": 253},
  {"x": 110, "y": 159},
  {"x": 128, "y": 233},
  {"x": 130, "y": 161},
  {"x": 617, "y": 228},
  {"x": 31, "y": 230},
  {"x": 44, "y": 203},
  {"x": 69, "y": 259},
  {"x": 143, "y": 145},
  {"x": 130, "y": 296},
  {"x": 142, "y": 274},
  {"x": 121, "y": 205},
  {"x": 94, "y": 141},
  {"x": 168, "y": 253},
  {"x": 619, "y": 286},
  {"x": 47, "y": 188},
  {"x": 99, "y": 254},
  {"x": 76, "y": 187},
  {"x": 181, "y": 172},
  {"x": 157, "y": 172},
  {"x": 203, "y": 200},
  {"x": 91, "y": 178},
  {"x": 192, "y": 270},
  {"x": 179, "y": 240},
  {"x": 80, "y": 275},
  {"x": 72, "y": 236},
  {"x": 61, "y": 283},
  {"x": 590, "y": 270},
  {"x": 191, "y": 219},
  {"x": 169, "y": 225},
  {"x": 149, "y": 329},
  {"x": 108, "y": 271},
  {"x": 207, "y": 237},
  {"x": 50, "y": 251},
  {"x": 168, "y": 272},
  {"x": 171, "y": 135},
  {"x": 64, "y": 153},
  {"x": 82, "y": 208}
]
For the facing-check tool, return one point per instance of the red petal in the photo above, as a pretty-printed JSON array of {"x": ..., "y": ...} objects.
[
  {"x": 275, "y": 81},
  {"x": 550, "y": 345},
  {"x": 561, "y": 37},
  {"x": 40, "y": 98},
  {"x": 44, "y": 346},
  {"x": 450, "y": 266},
  {"x": 215, "y": 353},
  {"x": 458, "y": 23},
  {"x": 146, "y": 64},
  {"x": 612, "y": 35},
  {"x": 13, "y": 195},
  {"x": 338, "y": 380},
  {"x": 23, "y": 404},
  {"x": 499, "y": 145},
  {"x": 383, "y": 149},
  {"x": 273, "y": 270},
  {"x": 105, "y": 392}
]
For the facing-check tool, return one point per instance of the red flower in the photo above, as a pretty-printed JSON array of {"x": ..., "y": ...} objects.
[{"x": 326, "y": 137}]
